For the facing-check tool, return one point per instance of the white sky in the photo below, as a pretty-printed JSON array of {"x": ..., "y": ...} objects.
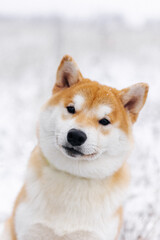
[{"x": 135, "y": 11}]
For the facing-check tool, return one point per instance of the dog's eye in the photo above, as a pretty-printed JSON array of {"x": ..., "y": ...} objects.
[
  {"x": 104, "y": 121},
  {"x": 71, "y": 109}
]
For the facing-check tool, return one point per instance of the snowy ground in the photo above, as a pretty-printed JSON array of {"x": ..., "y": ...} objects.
[{"x": 106, "y": 51}]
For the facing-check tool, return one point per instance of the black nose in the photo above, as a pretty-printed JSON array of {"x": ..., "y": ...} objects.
[{"x": 76, "y": 137}]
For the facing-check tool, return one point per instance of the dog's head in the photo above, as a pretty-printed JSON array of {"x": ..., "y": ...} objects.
[{"x": 85, "y": 127}]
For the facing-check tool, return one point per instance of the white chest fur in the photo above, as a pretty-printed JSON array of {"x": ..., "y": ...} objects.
[{"x": 66, "y": 204}]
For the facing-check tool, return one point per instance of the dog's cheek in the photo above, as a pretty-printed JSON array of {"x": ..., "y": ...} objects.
[
  {"x": 115, "y": 143},
  {"x": 47, "y": 124},
  {"x": 57, "y": 123}
]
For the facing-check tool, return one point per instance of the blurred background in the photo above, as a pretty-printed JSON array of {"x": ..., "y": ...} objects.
[{"x": 116, "y": 42}]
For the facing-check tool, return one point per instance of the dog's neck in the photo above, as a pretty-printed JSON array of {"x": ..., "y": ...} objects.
[{"x": 38, "y": 162}]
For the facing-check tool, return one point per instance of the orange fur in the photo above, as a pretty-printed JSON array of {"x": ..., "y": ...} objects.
[
  {"x": 95, "y": 94},
  {"x": 134, "y": 115},
  {"x": 37, "y": 161},
  {"x": 121, "y": 178},
  {"x": 67, "y": 78}
]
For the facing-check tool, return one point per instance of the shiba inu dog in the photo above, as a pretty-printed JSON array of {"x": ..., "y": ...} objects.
[{"x": 77, "y": 175}]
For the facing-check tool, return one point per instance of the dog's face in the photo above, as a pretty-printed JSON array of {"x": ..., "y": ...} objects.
[{"x": 85, "y": 128}]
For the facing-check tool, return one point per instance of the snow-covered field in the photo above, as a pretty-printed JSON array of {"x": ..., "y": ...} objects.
[{"x": 107, "y": 51}]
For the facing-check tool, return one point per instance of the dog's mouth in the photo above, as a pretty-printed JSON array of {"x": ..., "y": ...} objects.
[{"x": 72, "y": 152}]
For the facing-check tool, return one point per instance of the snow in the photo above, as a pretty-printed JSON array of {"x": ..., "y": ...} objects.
[
  {"x": 136, "y": 12},
  {"x": 106, "y": 50}
]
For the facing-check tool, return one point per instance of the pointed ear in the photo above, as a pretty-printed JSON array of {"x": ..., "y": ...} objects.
[
  {"x": 67, "y": 74},
  {"x": 133, "y": 99}
]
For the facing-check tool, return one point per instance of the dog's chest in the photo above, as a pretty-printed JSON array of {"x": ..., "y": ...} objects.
[{"x": 66, "y": 204}]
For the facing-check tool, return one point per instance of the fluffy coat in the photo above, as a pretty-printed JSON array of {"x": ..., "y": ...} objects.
[{"x": 77, "y": 192}]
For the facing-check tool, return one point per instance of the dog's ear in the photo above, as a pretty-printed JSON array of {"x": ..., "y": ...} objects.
[
  {"x": 67, "y": 74},
  {"x": 133, "y": 99}
]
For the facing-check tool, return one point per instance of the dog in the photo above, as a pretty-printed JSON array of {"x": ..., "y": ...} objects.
[{"x": 77, "y": 176}]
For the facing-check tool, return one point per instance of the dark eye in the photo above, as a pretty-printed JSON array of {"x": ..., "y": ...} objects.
[
  {"x": 71, "y": 109},
  {"x": 104, "y": 121}
]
